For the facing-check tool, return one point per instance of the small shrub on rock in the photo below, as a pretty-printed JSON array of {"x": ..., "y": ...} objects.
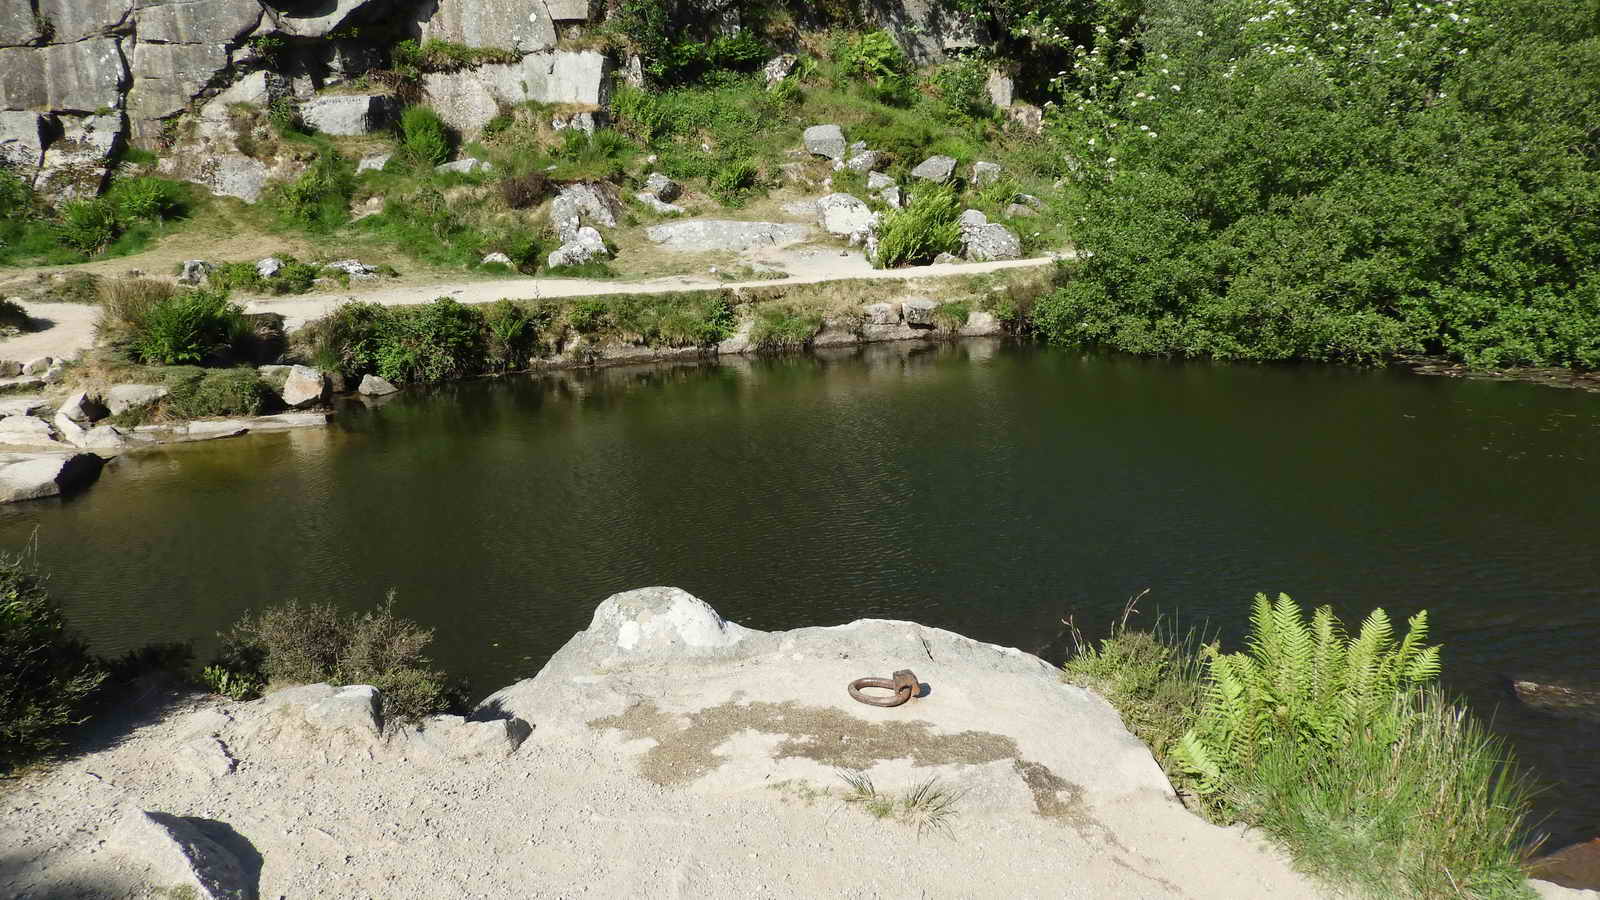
[
  {"x": 47, "y": 677},
  {"x": 314, "y": 642},
  {"x": 232, "y": 392}
]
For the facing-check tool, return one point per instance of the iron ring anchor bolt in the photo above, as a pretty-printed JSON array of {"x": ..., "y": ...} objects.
[{"x": 903, "y": 685}]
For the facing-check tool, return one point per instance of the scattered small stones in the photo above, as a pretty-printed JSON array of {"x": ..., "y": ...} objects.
[
  {"x": 585, "y": 122},
  {"x": 825, "y": 140},
  {"x": 935, "y": 168}
]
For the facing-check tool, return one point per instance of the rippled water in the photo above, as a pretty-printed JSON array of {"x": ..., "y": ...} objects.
[{"x": 985, "y": 488}]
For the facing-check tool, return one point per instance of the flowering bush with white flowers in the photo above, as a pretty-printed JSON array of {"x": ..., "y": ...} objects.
[{"x": 1337, "y": 179}]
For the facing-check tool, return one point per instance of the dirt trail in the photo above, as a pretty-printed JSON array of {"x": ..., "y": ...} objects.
[{"x": 71, "y": 325}]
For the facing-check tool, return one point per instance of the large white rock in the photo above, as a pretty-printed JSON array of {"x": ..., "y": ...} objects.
[
  {"x": 123, "y": 397},
  {"x": 992, "y": 241},
  {"x": 985, "y": 173},
  {"x": 29, "y": 476},
  {"x": 935, "y": 168},
  {"x": 455, "y": 738},
  {"x": 355, "y": 708},
  {"x": 83, "y": 408},
  {"x": 581, "y": 204},
  {"x": 844, "y": 214},
  {"x": 722, "y": 234},
  {"x": 1000, "y": 88},
  {"x": 348, "y": 114},
  {"x": 498, "y": 24},
  {"x": 177, "y": 854},
  {"x": 26, "y": 431},
  {"x": 373, "y": 386},
  {"x": 919, "y": 311},
  {"x": 825, "y": 140},
  {"x": 471, "y": 97},
  {"x": 304, "y": 387}
]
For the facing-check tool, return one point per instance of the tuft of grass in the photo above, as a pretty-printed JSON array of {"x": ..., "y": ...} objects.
[
  {"x": 928, "y": 806},
  {"x": 781, "y": 327}
]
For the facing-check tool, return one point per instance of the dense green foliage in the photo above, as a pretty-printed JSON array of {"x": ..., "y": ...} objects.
[
  {"x": 319, "y": 200},
  {"x": 923, "y": 229},
  {"x": 298, "y": 643},
  {"x": 46, "y": 676},
  {"x": 184, "y": 327},
  {"x": 132, "y": 211},
  {"x": 294, "y": 277},
  {"x": 782, "y": 327},
  {"x": 439, "y": 341},
  {"x": 1339, "y": 748},
  {"x": 1304, "y": 690},
  {"x": 1266, "y": 180},
  {"x": 424, "y": 136}
]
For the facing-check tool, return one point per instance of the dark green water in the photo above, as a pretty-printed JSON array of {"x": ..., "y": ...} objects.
[{"x": 987, "y": 489}]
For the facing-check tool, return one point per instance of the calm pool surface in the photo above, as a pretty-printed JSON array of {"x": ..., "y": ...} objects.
[{"x": 986, "y": 488}]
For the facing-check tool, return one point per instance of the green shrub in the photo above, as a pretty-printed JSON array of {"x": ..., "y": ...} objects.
[
  {"x": 734, "y": 182},
  {"x": 588, "y": 315},
  {"x": 1339, "y": 749},
  {"x": 293, "y": 277},
  {"x": 89, "y": 226},
  {"x": 781, "y": 327},
  {"x": 230, "y": 392},
  {"x": 440, "y": 341},
  {"x": 1357, "y": 198},
  {"x": 347, "y": 340},
  {"x": 423, "y": 136},
  {"x": 146, "y": 197},
  {"x": 672, "y": 319},
  {"x": 219, "y": 679},
  {"x": 187, "y": 327},
  {"x": 316, "y": 642},
  {"x": 513, "y": 334},
  {"x": 319, "y": 200},
  {"x": 924, "y": 228},
  {"x": 1307, "y": 689},
  {"x": 601, "y": 156},
  {"x": 283, "y": 114},
  {"x": 961, "y": 91},
  {"x": 640, "y": 113},
  {"x": 46, "y": 676}
]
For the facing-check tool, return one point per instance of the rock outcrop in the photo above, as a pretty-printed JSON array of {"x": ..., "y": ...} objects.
[
  {"x": 724, "y": 234},
  {"x": 177, "y": 854},
  {"x": 30, "y": 476}
]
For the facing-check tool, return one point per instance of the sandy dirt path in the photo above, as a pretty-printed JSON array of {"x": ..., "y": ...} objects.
[{"x": 70, "y": 328}]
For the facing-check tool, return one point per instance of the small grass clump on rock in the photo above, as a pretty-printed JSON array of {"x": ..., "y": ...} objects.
[{"x": 297, "y": 643}]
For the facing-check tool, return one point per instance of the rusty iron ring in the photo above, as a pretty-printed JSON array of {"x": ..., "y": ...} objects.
[{"x": 904, "y": 685}]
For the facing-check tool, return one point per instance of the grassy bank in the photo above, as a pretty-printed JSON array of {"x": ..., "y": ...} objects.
[{"x": 1341, "y": 748}]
